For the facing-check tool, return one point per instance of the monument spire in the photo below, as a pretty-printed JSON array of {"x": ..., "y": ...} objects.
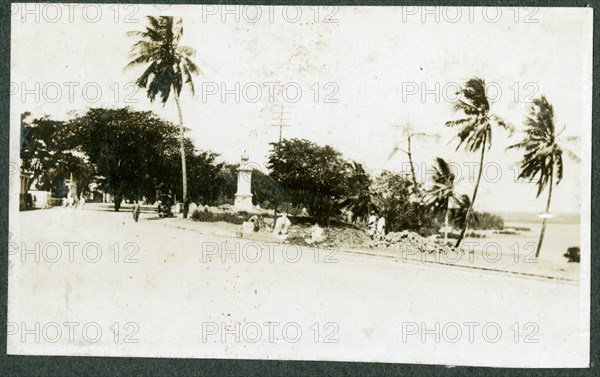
[{"x": 243, "y": 196}]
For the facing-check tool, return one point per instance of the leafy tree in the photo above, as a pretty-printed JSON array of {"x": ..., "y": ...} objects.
[
  {"x": 227, "y": 177},
  {"x": 266, "y": 190},
  {"x": 205, "y": 183},
  {"x": 393, "y": 197},
  {"x": 542, "y": 153},
  {"x": 475, "y": 129},
  {"x": 313, "y": 175},
  {"x": 486, "y": 220},
  {"x": 48, "y": 152},
  {"x": 438, "y": 198},
  {"x": 169, "y": 66},
  {"x": 129, "y": 149}
]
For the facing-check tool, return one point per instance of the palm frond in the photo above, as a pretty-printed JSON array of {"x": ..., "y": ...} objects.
[
  {"x": 170, "y": 65},
  {"x": 542, "y": 154}
]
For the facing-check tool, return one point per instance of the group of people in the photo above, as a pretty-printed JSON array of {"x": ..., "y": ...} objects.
[
  {"x": 73, "y": 201},
  {"x": 283, "y": 223},
  {"x": 376, "y": 226}
]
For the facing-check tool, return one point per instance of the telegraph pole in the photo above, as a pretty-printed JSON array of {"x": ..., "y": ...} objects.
[
  {"x": 280, "y": 122},
  {"x": 281, "y": 119}
]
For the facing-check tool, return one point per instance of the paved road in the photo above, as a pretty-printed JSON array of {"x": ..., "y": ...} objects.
[{"x": 149, "y": 289}]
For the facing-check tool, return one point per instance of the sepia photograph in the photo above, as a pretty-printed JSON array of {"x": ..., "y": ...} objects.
[{"x": 325, "y": 183}]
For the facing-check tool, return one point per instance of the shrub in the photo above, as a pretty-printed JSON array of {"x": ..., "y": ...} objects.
[
  {"x": 573, "y": 254},
  {"x": 202, "y": 216},
  {"x": 210, "y": 217}
]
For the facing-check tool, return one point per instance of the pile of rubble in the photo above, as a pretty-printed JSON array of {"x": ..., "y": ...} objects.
[
  {"x": 335, "y": 237},
  {"x": 345, "y": 237},
  {"x": 406, "y": 240},
  {"x": 358, "y": 238}
]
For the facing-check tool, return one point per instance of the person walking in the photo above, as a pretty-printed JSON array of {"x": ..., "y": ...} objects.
[{"x": 136, "y": 211}]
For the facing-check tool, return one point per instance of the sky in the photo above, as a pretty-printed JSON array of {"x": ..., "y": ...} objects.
[{"x": 345, "y": 76}]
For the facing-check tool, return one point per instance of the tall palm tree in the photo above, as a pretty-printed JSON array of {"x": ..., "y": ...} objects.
[
  {"x": 168, "y": 67},
  {"x": 542, "y": 154},
  {"x": 475, "y": 129},
  {"x": 439, "y": 197}
]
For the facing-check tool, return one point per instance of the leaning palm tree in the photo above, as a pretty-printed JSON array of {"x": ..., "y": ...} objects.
[
  {"x": 475, "y": 129},
  {"x": 542, "y": 155},
  {"x": 168, "y": 67},
  {"x": 439, "y": 197}
]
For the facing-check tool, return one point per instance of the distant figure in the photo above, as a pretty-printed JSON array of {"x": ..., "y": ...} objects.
[
  {"x": 350, "y": 216},
  {"x": 372, "y": 225},
  {"x": 81, "y": 202},
  {"x": 255, "y": 223},
  {"x": 316, "y": 234},
  {"x": 34, "y": 201},
  {"x": 304, "y": 211},
  {"x": 282, "y": 224},
  {"x": 381, "y": 227},
  {"x": 136, "y": 211}
]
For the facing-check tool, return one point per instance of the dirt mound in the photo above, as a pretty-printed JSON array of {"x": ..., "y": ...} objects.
[
  {"x": 406, "y": 240},
  {"x": 334, "y": 237},
  {"x": 358, "y": 238},
  {"x": 337, "y": 237}
]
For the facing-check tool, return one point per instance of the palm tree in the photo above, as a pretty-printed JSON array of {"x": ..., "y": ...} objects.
[
  {"x": 542, "y": 155},
  {"x": 359, "y": 198},
  {"x": 475, "y": 129},
  {"x": 460, "y": 213},
  {"x": 438, "y": 198},
  {"x": 168, "y": 68}
]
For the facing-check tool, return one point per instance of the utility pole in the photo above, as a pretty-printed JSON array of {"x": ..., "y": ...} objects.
[
  {"x": 280, "y": 119},
  {"x": 280, "y": 122}
]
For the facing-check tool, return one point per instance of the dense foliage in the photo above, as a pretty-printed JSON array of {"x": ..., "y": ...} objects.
[
  {"x": 313, "y": 175},
  {"x": 129, "y": 154}
]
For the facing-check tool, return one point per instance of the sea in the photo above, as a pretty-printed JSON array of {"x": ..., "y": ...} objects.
[{"x": 562, "y": 232}]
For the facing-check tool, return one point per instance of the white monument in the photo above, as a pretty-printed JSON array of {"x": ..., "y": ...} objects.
[{"x": 243, "y": 196}]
